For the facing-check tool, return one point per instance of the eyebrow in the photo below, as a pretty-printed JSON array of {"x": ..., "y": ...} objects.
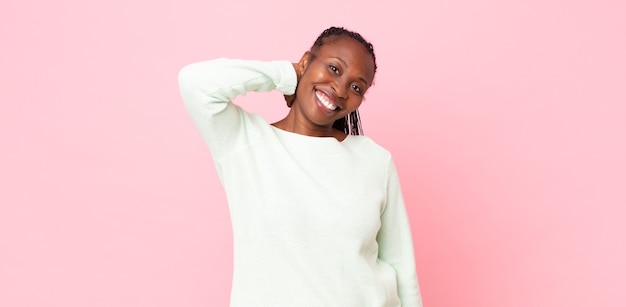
[{"x": 346, "y": 64}]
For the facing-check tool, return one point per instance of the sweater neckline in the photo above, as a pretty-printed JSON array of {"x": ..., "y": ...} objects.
[
  {"x": 313, "y": 145},
  {"x": 308, "y": 138}
]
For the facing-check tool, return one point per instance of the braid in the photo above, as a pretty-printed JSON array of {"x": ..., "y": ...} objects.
[{"x": 351, "y": 123}]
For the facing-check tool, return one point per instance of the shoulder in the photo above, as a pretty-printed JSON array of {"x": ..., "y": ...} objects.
[{"x": 367, "y": 148}]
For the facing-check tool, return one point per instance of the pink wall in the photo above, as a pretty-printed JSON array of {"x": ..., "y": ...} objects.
[{"x": 507, "y": 122}]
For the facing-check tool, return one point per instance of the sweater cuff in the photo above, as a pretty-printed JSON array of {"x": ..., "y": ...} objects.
[{"x": 288, "y": 78}]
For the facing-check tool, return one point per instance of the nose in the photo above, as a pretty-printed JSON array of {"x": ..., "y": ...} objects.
[{"x": 340, "y": 87}]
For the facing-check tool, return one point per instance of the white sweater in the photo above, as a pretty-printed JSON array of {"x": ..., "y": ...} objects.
[{"x": 316, "y": 222}]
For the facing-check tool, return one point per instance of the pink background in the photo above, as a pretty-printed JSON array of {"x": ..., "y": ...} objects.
[{"x": 507, "y": 122}]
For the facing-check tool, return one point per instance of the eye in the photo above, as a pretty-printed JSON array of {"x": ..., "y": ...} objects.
[
  {"x": 334, "y": 68},
  {"x": 357, "y": 89}
]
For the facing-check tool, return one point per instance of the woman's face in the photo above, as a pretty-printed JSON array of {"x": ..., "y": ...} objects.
[{"x": 334, "y": 80}]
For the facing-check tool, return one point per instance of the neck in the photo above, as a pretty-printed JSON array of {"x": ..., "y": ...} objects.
[{"x": 293, "y": 123}]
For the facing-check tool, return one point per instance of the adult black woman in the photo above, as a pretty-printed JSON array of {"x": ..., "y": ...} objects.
[{"x": 317, "y": 212}]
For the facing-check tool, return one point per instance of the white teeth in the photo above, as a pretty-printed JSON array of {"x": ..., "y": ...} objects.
[{"x": 322, "y": 97}]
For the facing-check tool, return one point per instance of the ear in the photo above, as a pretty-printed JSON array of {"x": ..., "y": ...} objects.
[{"x": 304, "y": 61}]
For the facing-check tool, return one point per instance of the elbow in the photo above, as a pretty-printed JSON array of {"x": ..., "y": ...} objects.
[
  {"x": 185, "y": 76},
  {"x": 187, "y": 83}
]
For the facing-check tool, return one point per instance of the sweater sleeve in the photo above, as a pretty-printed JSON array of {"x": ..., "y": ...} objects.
[
  {"x": 395, "y": 242},
  {"x": 207, "y": 89}
]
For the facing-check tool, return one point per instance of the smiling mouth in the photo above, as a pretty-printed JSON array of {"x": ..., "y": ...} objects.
[{"x": 325, "y": 100}]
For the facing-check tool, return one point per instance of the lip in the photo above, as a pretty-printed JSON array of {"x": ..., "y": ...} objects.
[{"x": 332, "y": 100}]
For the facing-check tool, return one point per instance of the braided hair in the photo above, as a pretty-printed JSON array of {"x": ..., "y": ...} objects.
[{"x": 351, "y": 123}]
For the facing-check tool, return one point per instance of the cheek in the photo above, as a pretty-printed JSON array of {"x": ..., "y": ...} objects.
[
  {"x": 315, "y": 74},
  {"x": 308, "y": 81}
]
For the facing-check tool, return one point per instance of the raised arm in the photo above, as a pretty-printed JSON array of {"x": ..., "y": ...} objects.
[
  {"x": 207, "y": 88},
  {"x": 396, "y": 244}
]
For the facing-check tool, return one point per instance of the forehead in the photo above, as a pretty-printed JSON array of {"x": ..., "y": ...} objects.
[{"x": 350, "y": 51}]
